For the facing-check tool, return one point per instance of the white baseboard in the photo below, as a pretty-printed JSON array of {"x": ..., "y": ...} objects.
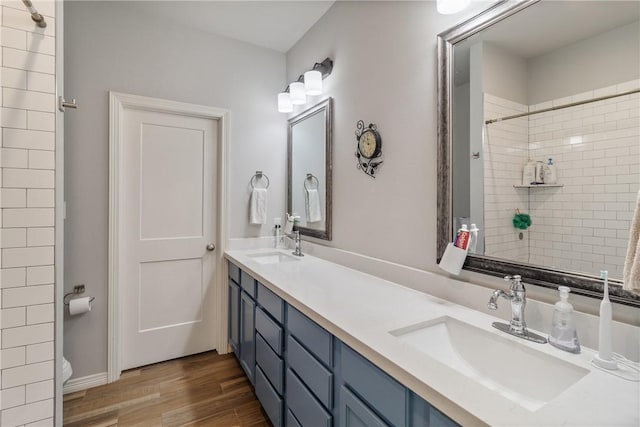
[{"x": 83, "y": 383}]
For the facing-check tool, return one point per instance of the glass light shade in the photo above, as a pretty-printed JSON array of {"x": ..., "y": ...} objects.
[
  {"x": 296, "y": 90},
  {"x": 448, "y": 7},
  {"x": 284, "y": 103},
  {"x": 313, "y": 83}
]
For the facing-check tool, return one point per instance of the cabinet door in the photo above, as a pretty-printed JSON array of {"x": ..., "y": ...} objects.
[
  {"x": 354, "y": 413},
  {"x": 247, "y": 335},
  {"x": 234, "y": 317}
]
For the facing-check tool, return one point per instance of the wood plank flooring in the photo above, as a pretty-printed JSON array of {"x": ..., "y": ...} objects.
[{"x": 206, "y": 389}]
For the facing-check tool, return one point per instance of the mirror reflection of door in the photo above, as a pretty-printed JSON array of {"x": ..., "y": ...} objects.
[{"x": 581, "y": 222}]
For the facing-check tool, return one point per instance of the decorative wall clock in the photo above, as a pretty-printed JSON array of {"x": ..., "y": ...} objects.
[{"x": 369, "y": 148}]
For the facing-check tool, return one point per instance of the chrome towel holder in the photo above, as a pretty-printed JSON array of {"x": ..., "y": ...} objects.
[
  {"x": 310, "y": 178},
  {"x": 257, "y": 177}
]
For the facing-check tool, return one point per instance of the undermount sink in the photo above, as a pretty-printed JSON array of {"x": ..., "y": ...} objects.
[
  {"x": 272, "y": 258},
  {"x": 521, "y": 374}
]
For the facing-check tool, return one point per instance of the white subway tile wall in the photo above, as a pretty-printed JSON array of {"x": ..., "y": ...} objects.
[
  {"x": 506, "y": 149},
  {"x": 27, "y": 181},
  {"x": 584, "y": 225}
]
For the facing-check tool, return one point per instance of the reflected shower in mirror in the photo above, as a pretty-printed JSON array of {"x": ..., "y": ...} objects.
[
  {"x": 309, "y": 164},
  {"x": 545, "y": 122}
]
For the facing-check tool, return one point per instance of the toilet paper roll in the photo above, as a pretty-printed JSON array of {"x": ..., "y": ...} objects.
[{"x": 79, "y": 305}]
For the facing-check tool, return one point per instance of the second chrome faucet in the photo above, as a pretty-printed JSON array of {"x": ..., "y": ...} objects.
[{"x": 517, "y": 295}]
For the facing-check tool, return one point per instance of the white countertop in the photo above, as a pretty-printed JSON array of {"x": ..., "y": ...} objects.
[{"x": 361, "y": 309}]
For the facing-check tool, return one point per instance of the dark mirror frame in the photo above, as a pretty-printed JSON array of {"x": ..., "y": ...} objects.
[
  {"x": 580, "y": 283},
  {"x": 327, "y": 106}
]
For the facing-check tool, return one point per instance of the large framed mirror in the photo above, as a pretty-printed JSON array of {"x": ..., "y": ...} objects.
[
  {"x": 520, "y": 84},
  {"x": 309, "y": 170}
]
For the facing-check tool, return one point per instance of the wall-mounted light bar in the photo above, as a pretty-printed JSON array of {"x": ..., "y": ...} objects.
[{"x": 308, "y": 84}]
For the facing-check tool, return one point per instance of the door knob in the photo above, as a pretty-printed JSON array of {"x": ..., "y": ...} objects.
[{"x": 211, "y": 247}]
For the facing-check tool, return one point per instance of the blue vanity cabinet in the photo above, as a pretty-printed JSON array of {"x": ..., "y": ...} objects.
[
  {"x": 247, "y": 335},
  {"x": 355, "y": 413},
  {"x": 309, "y": 376},
  {"x": 367, "y": 393},
  {"x": 242, "y": 306},
  {"x": 424, "y": 414},
  {"x": 270, "y": 365},
  {"x": 234, "y": 317},
  {"x": 304, "y": 376}
]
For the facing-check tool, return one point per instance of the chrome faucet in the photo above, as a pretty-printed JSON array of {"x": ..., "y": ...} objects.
[
  {"x": 295, "y": 236},
  {"x": 517, "y": 296}
]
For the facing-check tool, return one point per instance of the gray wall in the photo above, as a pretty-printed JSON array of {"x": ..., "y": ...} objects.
[
  {"x": 460, "y": 156},
  {"x": 504, "y": 73},
  {"x": 383, "y": 74},
  {"x": 593, "y": 63},
  {"x": 110, "y": 47}
]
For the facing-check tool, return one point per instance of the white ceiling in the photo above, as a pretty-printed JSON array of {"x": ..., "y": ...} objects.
[
  {"x": 547, "y": 26},
  {"x": 275, "y": 25}
]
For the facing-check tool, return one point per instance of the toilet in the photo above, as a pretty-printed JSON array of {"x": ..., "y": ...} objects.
[{"x": 66, "y": 370}]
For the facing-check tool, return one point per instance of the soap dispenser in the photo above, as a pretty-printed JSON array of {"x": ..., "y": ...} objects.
[{"x": 563, "y": 327}]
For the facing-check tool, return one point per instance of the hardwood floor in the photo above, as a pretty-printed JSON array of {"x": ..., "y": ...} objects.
[{"x": 206, "y": 389}]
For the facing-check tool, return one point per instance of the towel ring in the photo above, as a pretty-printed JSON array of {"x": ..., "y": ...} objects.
[
  {"x": 310, "y": 177},
  {"x": 257, "y": 177}
]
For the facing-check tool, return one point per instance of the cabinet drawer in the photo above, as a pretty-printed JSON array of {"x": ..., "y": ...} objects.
[
  {"x": 272, "y": 366},
  {"x": 248, "y": 284},
  {"x": 291, "y": 420},
  {"x": 234, "y": 272},
  {"x": 313, "y": 373},
  {"x": 234, "y": 317},
  {"x": 269, "y": 398},
  {"x": 270, "y": 331},
  {"x": 271, "y": 302},
  {"x": 353, "y": 412},
  {"x": 381, "y": 391},
  {"x": 311, "y": 335},
  {"x": 307, "y": 410}
]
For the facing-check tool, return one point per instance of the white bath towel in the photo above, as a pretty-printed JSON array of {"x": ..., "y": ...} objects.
[
  {"x": 314, "y": 211},
  {"x": 631, "y": 273},
  {"x": 258, "y": 206}
]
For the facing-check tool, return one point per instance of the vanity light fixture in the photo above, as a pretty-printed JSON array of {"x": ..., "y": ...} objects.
[
  {"x": 298, "y": 96},
  {"x": 313, "y": 83},
  {"x": 284, "y": 102},
  {"x": 448, "y": 7},
  {"x": 309, "y": 83}
]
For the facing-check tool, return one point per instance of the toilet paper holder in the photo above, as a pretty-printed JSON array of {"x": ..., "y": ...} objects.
[{"x": 77, "y": 290}]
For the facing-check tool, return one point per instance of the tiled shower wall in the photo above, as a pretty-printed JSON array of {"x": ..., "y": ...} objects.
[
  {"x": 27, "y": 214},
  {"x": 505, "y": 150},
  {"x": 583, "y": 225}
]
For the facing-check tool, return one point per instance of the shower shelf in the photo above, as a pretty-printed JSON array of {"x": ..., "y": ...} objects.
[{"x": 538, "y": 186}]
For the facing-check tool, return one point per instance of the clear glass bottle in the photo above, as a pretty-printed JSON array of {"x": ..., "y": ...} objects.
[{"x": 563, "y": 328}]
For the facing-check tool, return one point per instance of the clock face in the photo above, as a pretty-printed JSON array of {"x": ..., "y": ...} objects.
[{"x": 368, "y": 144}]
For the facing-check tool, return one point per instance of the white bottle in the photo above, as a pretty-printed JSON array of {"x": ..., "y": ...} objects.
[
  {"x": 563, "y": 327},
  {"x": 550, "y": 176},
  {"x": 529, "y": 173},
  {"x": 539, "y": 172},
  {"x": 473, "y": 242}
]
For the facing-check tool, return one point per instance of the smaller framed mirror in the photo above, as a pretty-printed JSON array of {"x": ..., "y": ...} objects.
[{"x": 309, "y": 170}]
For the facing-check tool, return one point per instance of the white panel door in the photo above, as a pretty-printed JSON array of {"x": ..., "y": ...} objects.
[{"x": 167, "y": 210}]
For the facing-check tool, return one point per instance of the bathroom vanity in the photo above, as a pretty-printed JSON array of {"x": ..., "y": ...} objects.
[{"x": 324, "y": 344}]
